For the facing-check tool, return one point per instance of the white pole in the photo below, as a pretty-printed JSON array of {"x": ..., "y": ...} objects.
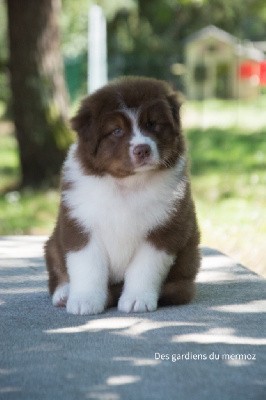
[{"x": 97, "y": 52}]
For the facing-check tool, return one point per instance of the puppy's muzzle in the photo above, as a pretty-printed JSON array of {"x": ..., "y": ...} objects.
[{"x": 142, "y": 153}]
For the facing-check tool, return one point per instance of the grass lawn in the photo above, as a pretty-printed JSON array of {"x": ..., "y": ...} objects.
[
  {"x": 27, "y": 211},
  {"x": 227, "y": 146},
  {"x": 229, "y": 183}
]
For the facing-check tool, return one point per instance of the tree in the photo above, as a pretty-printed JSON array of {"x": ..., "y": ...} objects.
[{"x": 38, "y": 88}]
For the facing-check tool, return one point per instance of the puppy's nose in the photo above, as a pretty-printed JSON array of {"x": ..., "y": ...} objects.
[{"x": 142, "y": 151}]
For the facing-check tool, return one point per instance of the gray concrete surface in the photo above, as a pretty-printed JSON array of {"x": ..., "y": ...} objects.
[{"x": 213, "y": 348}]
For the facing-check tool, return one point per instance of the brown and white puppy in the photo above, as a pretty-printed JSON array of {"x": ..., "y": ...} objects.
[{"x": 126, "y": 230}]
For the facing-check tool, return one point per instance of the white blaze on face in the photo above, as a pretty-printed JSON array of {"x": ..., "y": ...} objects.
[{"x": 138, "y": 139}]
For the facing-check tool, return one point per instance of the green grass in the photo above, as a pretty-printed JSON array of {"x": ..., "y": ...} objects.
[
  {"x": 248, "y": 115},
  {"x": 9, "y": 161},
  {"x": 229, "y": 184},
  {"x": 228, "y": 166},
  {"x": 26, "y": 211}
]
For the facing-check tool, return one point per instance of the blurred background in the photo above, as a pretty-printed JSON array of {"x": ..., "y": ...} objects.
[{"x": 213, "y": 51}]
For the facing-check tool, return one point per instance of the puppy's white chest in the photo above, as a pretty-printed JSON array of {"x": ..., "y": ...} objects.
[
  {"x": 121, "y": 219},
  {"x": 121, "y": 231},
  {"x": 118, "y": 218}
]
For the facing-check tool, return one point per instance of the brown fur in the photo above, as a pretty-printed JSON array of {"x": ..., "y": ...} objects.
[
  {"x": 67, "y": 236},
  {"x": 99, "y": 113},
  {"x": 99, "y": 152}
]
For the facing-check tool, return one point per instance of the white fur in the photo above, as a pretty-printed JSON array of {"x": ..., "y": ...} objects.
[
  {"x": 60, "y": 295},
  {"x": 138, "y": 138},
  {"x": 117, "y": 214},
  {"x": 143, "y": 279},
  {"x": 88, "y": 275}
]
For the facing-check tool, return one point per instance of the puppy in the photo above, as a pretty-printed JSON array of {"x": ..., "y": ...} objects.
[{"x": 126, "y": 231}]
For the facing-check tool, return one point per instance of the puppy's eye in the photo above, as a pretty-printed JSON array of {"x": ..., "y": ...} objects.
[
  {"x": 118, "y": 132},
  {"x": 151, "y": 125}
]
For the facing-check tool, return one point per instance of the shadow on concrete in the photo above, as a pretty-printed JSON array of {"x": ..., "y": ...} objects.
[{"x": 212, "y": 348}]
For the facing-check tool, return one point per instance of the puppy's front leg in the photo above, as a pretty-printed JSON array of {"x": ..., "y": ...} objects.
[
  {"x": 88, "y": 276},
  {"x": 144, "y": 278}
]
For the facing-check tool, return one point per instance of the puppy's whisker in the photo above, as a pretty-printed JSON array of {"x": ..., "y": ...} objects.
[{"x": 166, "y": 163}]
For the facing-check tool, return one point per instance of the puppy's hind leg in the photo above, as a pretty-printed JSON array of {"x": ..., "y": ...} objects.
[
  {"x": 177, "y": 293},
  {"x": 58, "y": 277},
  {"x": 179, "y": 287}
]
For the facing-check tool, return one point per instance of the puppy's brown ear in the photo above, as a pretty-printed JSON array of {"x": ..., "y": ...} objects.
[
  {"x": 175, "y": 102},
  {"x": 81, "y": 123}
]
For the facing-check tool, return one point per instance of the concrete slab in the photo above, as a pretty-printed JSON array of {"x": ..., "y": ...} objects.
[{"x": 213, "y": 348}]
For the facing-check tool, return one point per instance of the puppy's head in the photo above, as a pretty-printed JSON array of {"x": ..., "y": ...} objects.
[{"x": 130, "y": 126}]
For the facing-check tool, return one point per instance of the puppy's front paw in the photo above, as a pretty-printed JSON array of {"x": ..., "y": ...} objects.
[
  {"x": 85, "y": 304},
  {"x": 60, "y": 295},
  {"x": 137, "y": 303}
]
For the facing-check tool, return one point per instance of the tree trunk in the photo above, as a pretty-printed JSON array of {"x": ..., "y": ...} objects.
[{"x": 38, "y": 87}]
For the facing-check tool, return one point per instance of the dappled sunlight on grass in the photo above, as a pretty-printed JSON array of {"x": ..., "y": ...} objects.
[
  {"x": 228, "y": 169},
  {"x": 228, "y": 150},
  {"x": 9, "y": 160},
  {"x": 28, "y": 212},
  {"x": 248, "y": 114}
]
